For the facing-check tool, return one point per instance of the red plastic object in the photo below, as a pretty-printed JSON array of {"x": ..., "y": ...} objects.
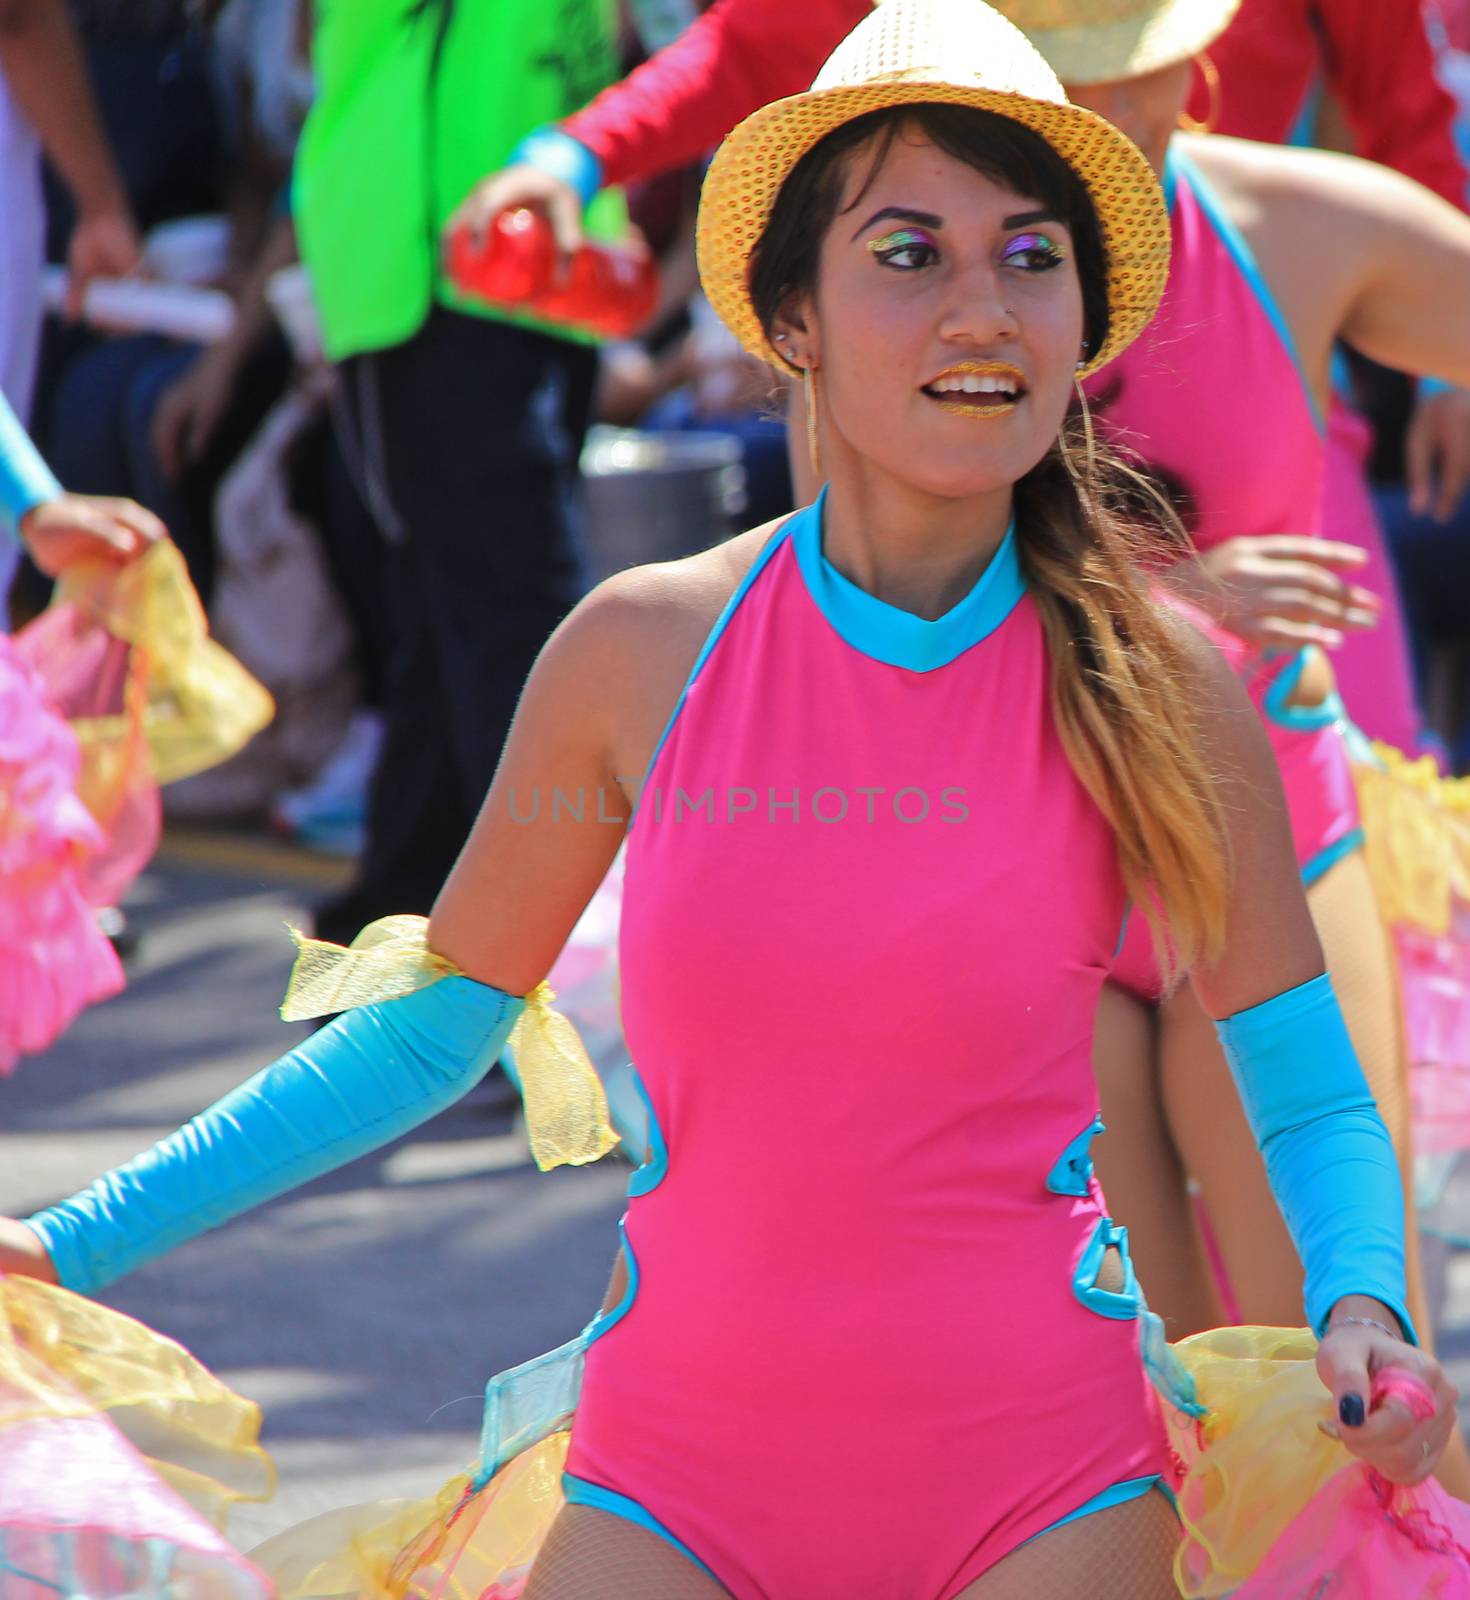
[{"x": 608, "y": 289}]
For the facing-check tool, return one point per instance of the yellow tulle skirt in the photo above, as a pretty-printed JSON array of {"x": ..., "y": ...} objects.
[{"x": 120, "y": 1456}]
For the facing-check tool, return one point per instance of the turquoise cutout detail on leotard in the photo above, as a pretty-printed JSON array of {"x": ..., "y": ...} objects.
[
  {"x": 889, "y": 634},
  {"x": 1176, "y": 163},
  {"x": 1073, "y": 1172},
  {"x": 1120, "y": 1305},
  {"x": 528, "y": 1403}
]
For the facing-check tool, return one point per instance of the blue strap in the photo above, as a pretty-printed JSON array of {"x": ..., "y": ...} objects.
[
  {"x": 1177, "y": 165},
  {"x": 563, "y": 157},
  {"x": 25, "y": 479},
  {"x": 373, "y": 1074},
  {"x": 1328, "y": 1155}
]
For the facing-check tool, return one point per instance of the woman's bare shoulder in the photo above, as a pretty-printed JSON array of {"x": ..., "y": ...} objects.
[
  {"x": 665, "y": 610},
  {"x": 1295, "y": 188}
]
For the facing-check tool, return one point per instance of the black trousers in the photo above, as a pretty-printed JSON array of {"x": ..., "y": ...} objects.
[{"x": 464, "y": 444}]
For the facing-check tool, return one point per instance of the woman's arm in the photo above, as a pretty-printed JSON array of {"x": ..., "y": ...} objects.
[
  {"x": 382, "y": 1069},
  {"x": 44, "y": 70},
  {"x": 1328, "y": 1156},
  {"x": 1352, "y": 251}
]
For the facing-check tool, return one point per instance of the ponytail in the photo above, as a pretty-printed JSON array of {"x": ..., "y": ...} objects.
[{"x": 1121, "y": 687}]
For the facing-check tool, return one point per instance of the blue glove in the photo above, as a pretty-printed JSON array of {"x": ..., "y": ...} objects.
[
  {"x": 1328, "y": 1155},
  {"x": 25, "y": 479},
  {"x": 373, "y": 1074}
]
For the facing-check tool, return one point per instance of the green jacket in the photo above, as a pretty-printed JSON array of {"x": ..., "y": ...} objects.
[{"x": 417, "y": 100}]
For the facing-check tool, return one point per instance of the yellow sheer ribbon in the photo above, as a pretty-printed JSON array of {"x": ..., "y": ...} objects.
[
  {"x": 64, "y": 1356},
  {"x": 1258, "y": 1456},
  {"x": 566, "y": 1108},
  {"x": 454, "y": 1545},
  {"x": 1417, "y": 830},
  {"x": 201, "y": 705}
]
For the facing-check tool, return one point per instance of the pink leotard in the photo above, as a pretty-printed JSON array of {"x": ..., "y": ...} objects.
[
  {"x": 1212, "y": 398},
  {"x": 864, "y": 1355},
  {"x": 1375, "y": 666}
]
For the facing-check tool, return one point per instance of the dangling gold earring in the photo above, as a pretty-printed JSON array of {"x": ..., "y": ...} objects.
[
  {"x": 1211, "y": 75},
  {"x": 809, "y": 396}
]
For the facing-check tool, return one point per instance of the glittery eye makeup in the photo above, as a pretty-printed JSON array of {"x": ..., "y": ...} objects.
[
  {"x": 902, "y": 241},
  {"x": 1044, "y": 253}
]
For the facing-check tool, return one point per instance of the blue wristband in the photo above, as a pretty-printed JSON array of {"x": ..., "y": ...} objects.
[
  {"x": 1328, "y": 1155},
  {"x": 1432, "y": 386},
  {"x": 373, "y": 1074},
  {"x": 563, "y": 157},
  {"x": 25, "y": 479}
]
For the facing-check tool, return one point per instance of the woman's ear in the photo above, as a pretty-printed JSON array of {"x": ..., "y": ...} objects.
[{"x": 793, "y": 332}]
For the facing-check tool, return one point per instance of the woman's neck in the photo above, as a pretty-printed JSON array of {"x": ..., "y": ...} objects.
[{"x": 918, "y": 552}]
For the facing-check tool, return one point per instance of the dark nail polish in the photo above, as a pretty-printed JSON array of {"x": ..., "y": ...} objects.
[{"x": 1350, "y": 1409}]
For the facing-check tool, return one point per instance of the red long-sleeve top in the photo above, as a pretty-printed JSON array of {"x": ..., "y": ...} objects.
[
  {"x": 1378, "y": 62},
  {"x": 738, "y": 56},
  {"x": 743, "y": 53}
]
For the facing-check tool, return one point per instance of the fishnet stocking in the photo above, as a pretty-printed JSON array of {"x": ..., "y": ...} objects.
[
  {"x": 1123, "y": 1553},
  {"x": 593, "y": 1555}
]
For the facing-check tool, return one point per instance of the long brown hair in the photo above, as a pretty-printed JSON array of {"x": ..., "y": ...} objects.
[{"x": 1089, "y": 530}]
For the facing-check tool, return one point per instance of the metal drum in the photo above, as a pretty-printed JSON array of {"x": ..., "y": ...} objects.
[{"x": 658, "y": 496}]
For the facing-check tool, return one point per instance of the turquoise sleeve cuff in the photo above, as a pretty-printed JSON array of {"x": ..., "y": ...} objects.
[
  {"x": 373, "y": 1074},
  {"x": 1328, "y": 1156},
  {"x": 563, "y": 157},
  {"x": 1429, "y": 386},
  {"x": 25, "y": 479}
]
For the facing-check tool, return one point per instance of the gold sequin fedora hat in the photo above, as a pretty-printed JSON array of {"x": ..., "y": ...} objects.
[
  {"x": 950, "y": 52},
  {"x": 1101, "y": 41}
]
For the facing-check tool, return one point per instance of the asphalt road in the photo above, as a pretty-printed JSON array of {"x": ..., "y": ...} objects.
[{"x": 365, "y": 1311}]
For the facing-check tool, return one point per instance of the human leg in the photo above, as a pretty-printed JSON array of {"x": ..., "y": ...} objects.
[
  {"x": 1125, "y": 1552},
  {"x": 594, "y": 1555},
  {"x": 1140, "y": 1169},
  {"x": 464, "y": 442}
]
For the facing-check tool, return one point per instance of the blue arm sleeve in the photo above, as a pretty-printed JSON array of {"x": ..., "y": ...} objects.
[
  {"x": 371, "y": 1075},
  {"x": 1328, "y": 1155},
  {"x": 563, "y": 157},
  {"x": 25, "y": 479}
]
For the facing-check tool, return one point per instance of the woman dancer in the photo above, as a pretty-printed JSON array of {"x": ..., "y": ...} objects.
[
  {"x": 1277, "y": 254},
  {"x": 938, "y": 710}
]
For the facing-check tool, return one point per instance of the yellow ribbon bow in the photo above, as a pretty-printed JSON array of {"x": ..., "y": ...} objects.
[{"x": 566, "y": 1108}]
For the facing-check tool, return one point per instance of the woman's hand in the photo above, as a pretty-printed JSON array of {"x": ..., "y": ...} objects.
[
  {"x": 22, "y": 1254},
  {"x": 1437, "y": 453},
  {"x": 1390, "y": 1437},
  {"x": 1282, "y": 591},
  {"x": 512, "y": 188},
  {"x": 190, "y": 410},
  {"x": 103, "y": 244},
  {"x": 78, "y": 527}
]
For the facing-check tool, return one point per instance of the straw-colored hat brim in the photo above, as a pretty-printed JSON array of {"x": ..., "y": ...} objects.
[
  {"x": 1101, "y": 41},
  {"x": 749, "y": 168}
]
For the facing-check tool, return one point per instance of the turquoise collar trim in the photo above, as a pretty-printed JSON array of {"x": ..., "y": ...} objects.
[
  {"x": 898, "y": 637},
  {"x": 1176, "y": 163}
]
